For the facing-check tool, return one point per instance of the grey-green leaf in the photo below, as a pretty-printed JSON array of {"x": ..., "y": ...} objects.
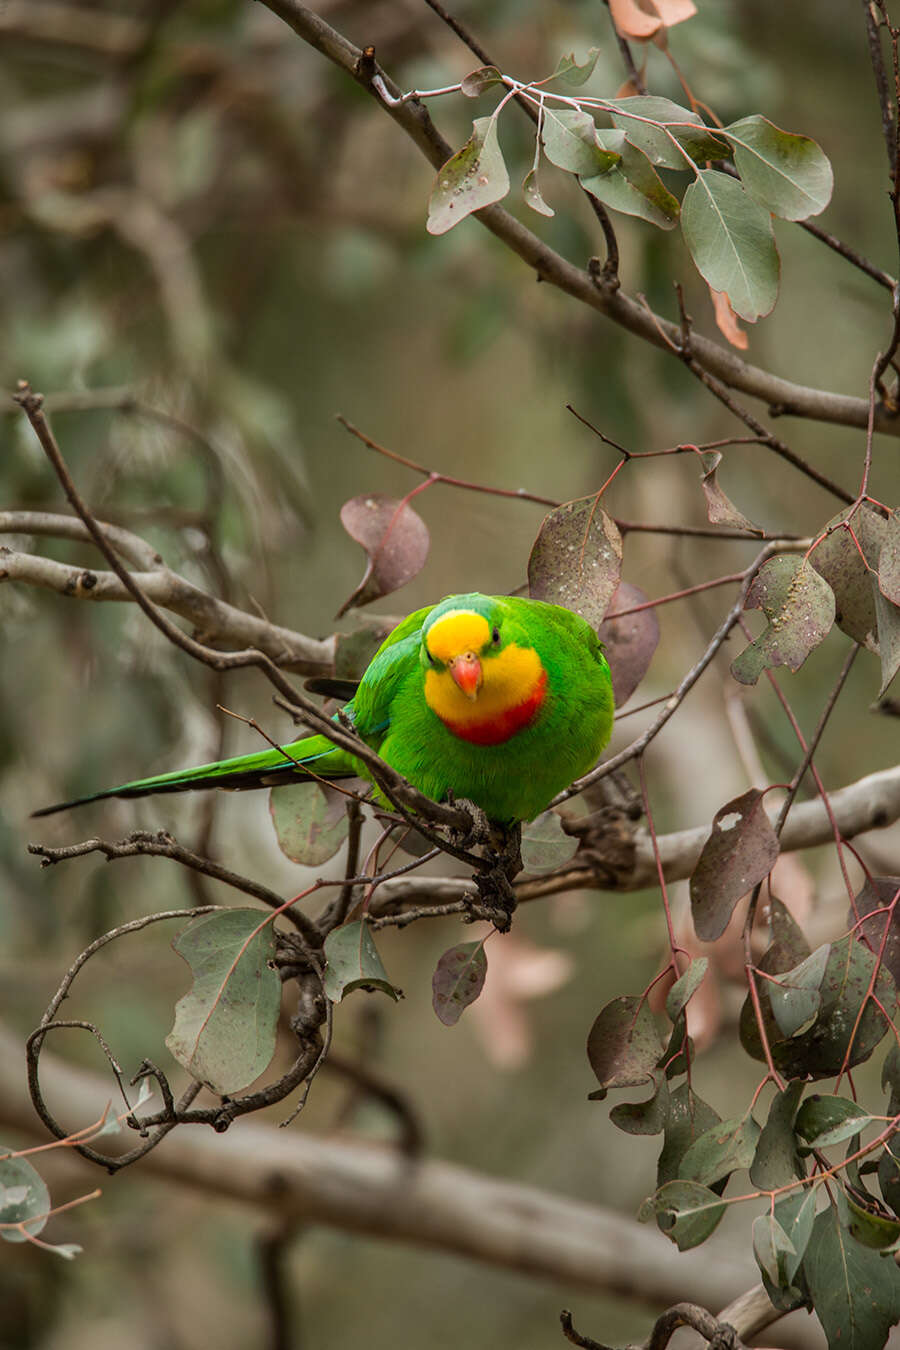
[
  {"x": 799, "y": 605},
  {"x": 777, "y": 1161},
  {"x": 685, "y": 987},
  {"x": 224, "y": 1032},
  {"x": 545, "y": 844},
  {"x": 772, "y": 1248},
  {"x": 730, "y": 238},
  {"x": 794, "y": 996},
  {"x": 569, "y": 72},
  {"x": 633, "y": 185},
  {"x": 310, "y": 821},
  {"x": 666, "y": 122},
  {"x": 726, "y": 1147},
  {"x": 569, "y": 137},
  {"x": 796, "y": 1212},
  {"x": 474, "y": 177},
  {"x": 354, "y": 963},
  {"x": 790, "y": 175},
  {"x": 824, "y": 1120},
  {"x": 24, "y": 1198},
  {"x": 849, "y": 574},
  {"x": 532, "y": 194}
]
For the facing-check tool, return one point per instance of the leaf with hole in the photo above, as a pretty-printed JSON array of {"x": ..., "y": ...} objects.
[
  {"x": 545, "y": 844},
  {"x": 310, "y": 821},
  {"x": 624, "y": 1045},
  {"x": 799, "y": 605},
  {"x": 632, "y": 185},
  {"x": 477, "y": 81},
  {"x": 354, "y": 963},
  {"x": 569, "y": 137},
  {"x": 474, "y": 177},
  {"x": 730, "y": 239},
  {"x": 395, "y": 539},
  {"x": 224, "y": 1031},
  {"x": 576, "y": 560},
  {"x": 458, "y": 980},
  {"x": 630, "y": 641},
  {"x": 739, "y": 853},
  {"x": 789, "y": 175}
]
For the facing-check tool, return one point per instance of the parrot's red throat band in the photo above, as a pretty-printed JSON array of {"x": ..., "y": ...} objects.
[{"x": 499, "y": 726}]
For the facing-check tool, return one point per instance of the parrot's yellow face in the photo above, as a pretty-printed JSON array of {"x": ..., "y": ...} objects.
[{"x": 483, "y": 688}]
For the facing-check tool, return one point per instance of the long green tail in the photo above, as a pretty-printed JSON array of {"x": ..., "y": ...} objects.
[{"x": 265, "y": 769}]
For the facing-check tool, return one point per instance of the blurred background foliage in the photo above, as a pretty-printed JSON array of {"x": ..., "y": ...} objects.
[{"x": 198, "y": 212}]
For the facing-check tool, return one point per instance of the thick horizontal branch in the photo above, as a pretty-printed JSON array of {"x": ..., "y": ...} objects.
[
  {"x": 781, "y": 395},
  {"x": 370, "y": 1189},
  {"x": 871, "y": 803},
  {"x": 214, "y": 620}
]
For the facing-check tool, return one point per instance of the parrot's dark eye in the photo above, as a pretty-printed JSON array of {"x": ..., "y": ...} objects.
[{"x": 495, "y": 637}]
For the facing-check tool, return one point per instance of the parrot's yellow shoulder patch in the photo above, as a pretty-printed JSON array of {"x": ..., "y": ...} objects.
[{"x": 459, "y": 630}]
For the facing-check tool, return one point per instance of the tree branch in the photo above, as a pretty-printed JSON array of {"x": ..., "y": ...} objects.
[{"x": 789, "y": 398}]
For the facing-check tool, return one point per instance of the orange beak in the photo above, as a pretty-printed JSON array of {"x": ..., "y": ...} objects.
[{"x": 467, "y": 674}]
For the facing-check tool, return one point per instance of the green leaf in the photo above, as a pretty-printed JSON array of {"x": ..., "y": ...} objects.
[
  {"x": 740, "y": 851},
  {"x": 24, "y": 1198},
  {"x": 458, "y": 980},
  {"x": 689, "y": 1117},
  {"x": 633, "y": 186},
  {"x": 623, "y": 1045},
  {"x": 545, "y": 844},
  {"x": 800, "y": 607},
  {"x": 726, "y": 1147},
  {"x": 686, "y": 1212},
  {"x": 777, "y": 1161},
  {"x": 855, "y": 1292},
  {"x": 790, "y": 175},
  {"x": 475, "y": 83},
  {"x": 824, "y": 1120},
  {"x": 730, "y": 238},
  {"x": 647, "y": 1117},
  {"x": 666, "y": 121},
  {"x": 354, "y": 963},
  {"x": 569, "y": 137},
  {"x": 868, "y": 1221},
  {"x": 576, "y": 560},
  {"x": 224, "y": 1032},
  {"x": 310, "y": 821},
  {"x": 532, "y": 194},
  {"x": 472, "y": 178},
  {"x": 772, "y": 1248},
  {"x": 571, "y": 73},
  {"x": 685, "y": 987},
  {"x": 796, "y": 1213},
  {"x": 820, "y": 1051},
  {"x": 794, "y": 996}
]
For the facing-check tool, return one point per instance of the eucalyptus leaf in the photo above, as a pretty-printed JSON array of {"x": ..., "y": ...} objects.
[
  {"x": 800, "y": 607},
  {"x": 545, "y": 844},
  {"x": 658, "y": 127},
  {"x": 474, "y": 177},
  {"x": 632, "y": 185},
  {"x": 569, "y": 137},
  {"x": 354, "y": 963},
  {"x": 790, "y": 175},
  {"x": 686, "y": 1212},
  {"x": 24, "y": 1198},
  {"x": 458, "y": 980},
  {"x": 730, "y": 238},
  {"x": 576, "y": 560}
]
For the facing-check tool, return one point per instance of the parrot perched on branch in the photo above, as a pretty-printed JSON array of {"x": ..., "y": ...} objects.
[{"x": 498, "y": 700}]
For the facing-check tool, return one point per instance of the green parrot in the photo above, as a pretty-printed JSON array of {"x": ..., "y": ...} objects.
[{"x": 499, "y": 700}]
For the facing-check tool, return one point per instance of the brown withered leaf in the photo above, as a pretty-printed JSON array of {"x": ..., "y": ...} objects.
[
  {"x": 720, "y": 510},
  {"x": 630, "y": 641},
  {"x": 740, "y": 851},
  {"x": 727, "y": 322},
  {"x": 395, "y": 538},
  {"x": 641, "y": 20}
]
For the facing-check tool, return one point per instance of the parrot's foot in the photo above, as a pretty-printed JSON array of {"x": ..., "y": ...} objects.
[{"x": 481, "y": 829}]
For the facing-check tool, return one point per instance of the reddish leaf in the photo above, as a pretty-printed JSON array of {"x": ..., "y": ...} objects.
[
  {"x": 878, "y": 894},
  {"x": 623, "y": 1046},
  {"x": 739, "y": 852},
  {"x": 576, "y": 559},
  {"x": 848, "y": 573},
  {"x": 395, "y": 538},
  {"x": 726, "y": 320},
  {"x": 630, "y": 641},
  {"x": 458, "y": 980},
  {"x": 719, "y": 509},
  {"x": 799, "y": 605},
  {"x": 643, "y": 19}
]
